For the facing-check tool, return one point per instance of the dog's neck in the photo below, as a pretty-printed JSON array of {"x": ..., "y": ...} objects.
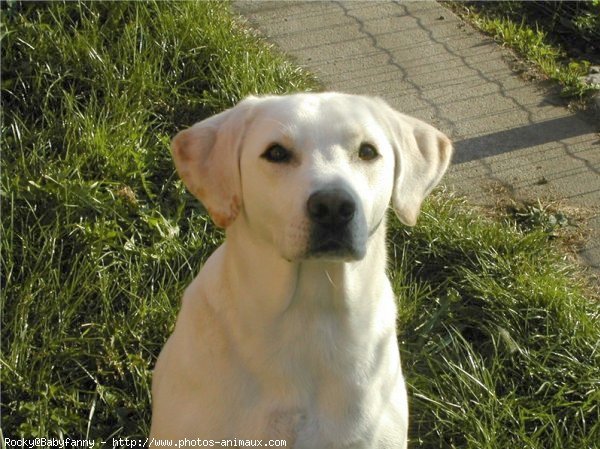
[
  {"x": 266, "y": 286},
  {"x": 267, "y": 305}
]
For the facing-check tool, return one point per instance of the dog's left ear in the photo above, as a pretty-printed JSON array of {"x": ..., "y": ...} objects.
[
  {"x": 207, "y": 159},
  {"x": 422, "y": 156}
]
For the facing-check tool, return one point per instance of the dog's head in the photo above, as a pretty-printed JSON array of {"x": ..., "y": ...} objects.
[{"x": 311, "y": 174}]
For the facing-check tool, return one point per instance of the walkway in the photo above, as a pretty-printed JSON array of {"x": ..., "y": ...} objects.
[{"x": 508, "y": 133}]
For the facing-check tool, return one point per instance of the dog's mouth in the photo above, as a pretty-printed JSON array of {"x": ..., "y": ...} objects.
[{"x": 335, "y": 247}]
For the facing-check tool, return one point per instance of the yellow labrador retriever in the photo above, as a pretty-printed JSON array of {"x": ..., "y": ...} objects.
[{"x": 289, "y": 330}]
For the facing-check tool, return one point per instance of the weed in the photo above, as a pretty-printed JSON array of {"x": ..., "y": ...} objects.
[{"x": 506, "y": 22}]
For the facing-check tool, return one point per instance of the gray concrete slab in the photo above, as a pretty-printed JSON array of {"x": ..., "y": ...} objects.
[{"x": 426, "y": 62}]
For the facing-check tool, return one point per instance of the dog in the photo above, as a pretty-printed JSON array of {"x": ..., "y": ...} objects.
[{"x": 288, "y": 333}]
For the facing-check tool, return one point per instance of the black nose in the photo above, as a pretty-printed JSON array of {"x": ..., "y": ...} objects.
[{"x": 331, "y": 207}]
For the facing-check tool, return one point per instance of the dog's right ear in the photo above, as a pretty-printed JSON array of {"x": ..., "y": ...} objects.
[
  {"x": 207, "y": 159},
  {"x": 422, "y": 153}
]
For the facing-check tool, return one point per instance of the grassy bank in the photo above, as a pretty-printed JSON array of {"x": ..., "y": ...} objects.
[
  {"x": 99, "y": 238},
  {"x": 98, "y": 235},
  {"x": 500, "y": 340},
  {"x": 558, "y": 39}
]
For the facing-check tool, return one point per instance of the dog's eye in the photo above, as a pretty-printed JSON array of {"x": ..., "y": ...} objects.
[
  {"x": 277, "y": 154},
  {"x": 367, "y": 152}
]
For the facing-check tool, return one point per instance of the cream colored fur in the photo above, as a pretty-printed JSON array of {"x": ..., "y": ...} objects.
[{"x": 276, "y": 339}]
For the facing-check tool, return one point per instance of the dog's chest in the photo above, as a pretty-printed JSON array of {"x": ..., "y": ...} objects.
[{"x": 323, "y": 382}]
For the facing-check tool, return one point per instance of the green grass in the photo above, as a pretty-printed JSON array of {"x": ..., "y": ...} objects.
[
  {"x": 506, "y": 22},
  {"x": 99, "y": 237},
  {"x": 499, "y": 340}
]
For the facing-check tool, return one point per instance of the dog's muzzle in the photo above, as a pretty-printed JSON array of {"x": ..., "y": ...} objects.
[{"x": 331, "y": 212}]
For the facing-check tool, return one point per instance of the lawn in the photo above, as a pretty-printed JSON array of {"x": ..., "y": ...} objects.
[
  {"x": 499, "y": 332},
  {"x": 559, "y": 40}
]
